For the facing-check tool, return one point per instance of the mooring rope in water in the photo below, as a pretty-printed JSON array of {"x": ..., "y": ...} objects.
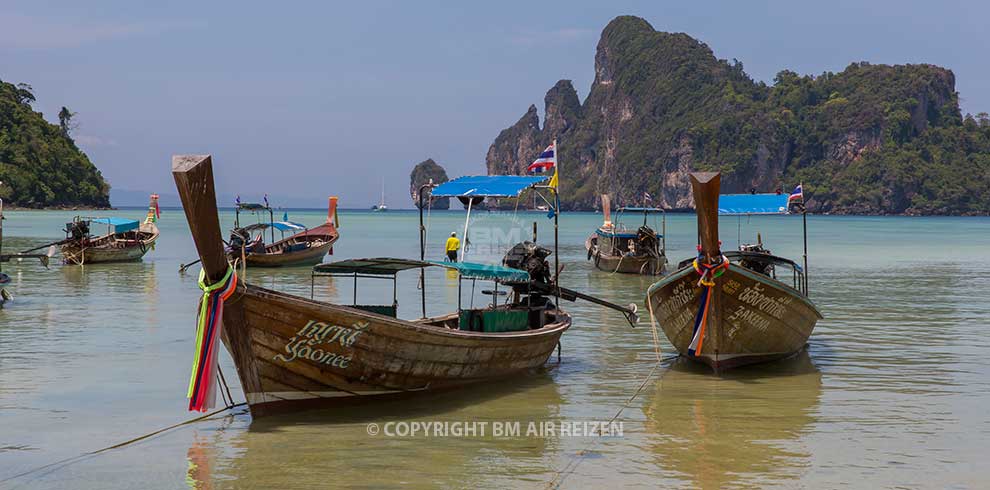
[
  {"x": 128, "y": 442},
  {"x": 571, "y": 466}
]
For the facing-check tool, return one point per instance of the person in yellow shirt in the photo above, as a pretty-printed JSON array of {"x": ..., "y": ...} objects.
[{"x": 453, "y": 245}]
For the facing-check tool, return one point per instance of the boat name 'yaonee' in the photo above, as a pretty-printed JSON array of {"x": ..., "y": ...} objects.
[{"x": 740, "y": 307}]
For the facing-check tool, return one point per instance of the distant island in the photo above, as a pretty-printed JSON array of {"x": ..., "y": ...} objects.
[
  {"x": 872, "y": 139},
  {"x": 421, "y": 174},
  {"x": 40, "y": 164}
]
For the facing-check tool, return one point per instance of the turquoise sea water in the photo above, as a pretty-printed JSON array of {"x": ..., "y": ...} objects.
[{"x": 892, "y": 392}]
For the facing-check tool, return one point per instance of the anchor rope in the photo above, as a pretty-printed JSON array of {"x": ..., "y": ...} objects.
[
  {"x": 572, "y": 465},
  {"x": 74, "y": 459}
]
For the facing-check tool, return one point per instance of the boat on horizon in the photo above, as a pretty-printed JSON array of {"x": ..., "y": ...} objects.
[
  {"x": 381, "y": 207},
  {"x": 735, "y": 308}
]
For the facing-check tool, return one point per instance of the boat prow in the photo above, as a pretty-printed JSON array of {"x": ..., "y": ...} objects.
[{"x": 730, "y": 310}]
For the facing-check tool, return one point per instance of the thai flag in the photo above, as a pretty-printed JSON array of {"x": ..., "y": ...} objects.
[
  {"x": 647, "y": 197},
  {"x": 544, "y": 163},
  {"x": 797, "y": 195}
]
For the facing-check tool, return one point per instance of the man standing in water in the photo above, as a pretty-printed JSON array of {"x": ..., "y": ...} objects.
[{"x": 453, "y": 245}]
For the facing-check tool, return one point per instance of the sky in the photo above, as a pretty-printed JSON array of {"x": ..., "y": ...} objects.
[{"x": 301, "y": 100}]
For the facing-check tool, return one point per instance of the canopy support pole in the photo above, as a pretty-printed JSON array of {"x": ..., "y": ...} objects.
[
  {"x": 804, "y": 219},
  {"x": 422, "y": 246},
  {"x": 466, "y": 222}
]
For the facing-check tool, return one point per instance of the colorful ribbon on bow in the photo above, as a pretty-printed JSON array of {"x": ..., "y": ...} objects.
[
  {"x": 708, "y": 273},
  {"x": 203, "y": 380}
]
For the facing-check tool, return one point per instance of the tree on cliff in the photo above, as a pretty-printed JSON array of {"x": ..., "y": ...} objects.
[
  {"x": 871, "y": 139},
  {"x": 39, "y": 164},
  {"x": 65, "y": 121},
  {"x": 422, "y": 173}
]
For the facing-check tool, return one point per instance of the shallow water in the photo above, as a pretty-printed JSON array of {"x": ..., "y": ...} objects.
[{"x": 891, "y": 393}]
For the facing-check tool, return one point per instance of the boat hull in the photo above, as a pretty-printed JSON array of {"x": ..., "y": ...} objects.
[
  {"x": 751, "y": 319},
  {"x": 292, "y": 353},
  {"x": 307, "y": 257},
  {"x": 108, "y": 248},
  {"x": 319, "y": 240}
]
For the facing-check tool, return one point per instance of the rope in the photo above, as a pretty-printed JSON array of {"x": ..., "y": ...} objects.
[
  {"x": 570, "y": 467},
  {"x": 653, "y": 325},
  {"x": 128, "y": 442}
]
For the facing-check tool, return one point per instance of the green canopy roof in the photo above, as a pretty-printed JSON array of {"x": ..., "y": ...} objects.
[{"x": 382, "y": 266}]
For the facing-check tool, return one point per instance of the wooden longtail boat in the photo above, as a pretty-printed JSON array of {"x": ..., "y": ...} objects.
[
  {"x": 613, "y": 248},
  {"x": 732, "y": 309},
  {"x": 304, "y": 248},
  {"x": 293, "y": 352},
  {"x": 126, "y": 240}
]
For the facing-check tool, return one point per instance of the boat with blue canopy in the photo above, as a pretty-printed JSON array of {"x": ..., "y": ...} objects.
[
  {"x": 90, "y": 240},
  {"x": 614, "y": 247},
  {"x": 734, "y": 308},
  {"x": 302, "y": 247}
]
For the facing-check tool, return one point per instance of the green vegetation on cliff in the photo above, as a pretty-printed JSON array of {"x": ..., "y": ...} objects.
[
  {"x": 871, "y": 139},
  {"x": 40, "y": 164}
]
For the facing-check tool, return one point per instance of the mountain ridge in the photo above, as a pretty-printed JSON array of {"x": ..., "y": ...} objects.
[{"x": 872, "y": 139}]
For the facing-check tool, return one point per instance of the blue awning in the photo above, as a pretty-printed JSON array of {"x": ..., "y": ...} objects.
[
  {"x": 729, "y": 204},
  {"x": 487, "y": 186},
  {"x": 119, "y": 225},
  {"x": 288, "y": 226},
  {"x": 470, "y": 270}
]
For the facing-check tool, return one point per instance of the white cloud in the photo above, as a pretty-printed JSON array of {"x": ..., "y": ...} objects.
[{"x": 26, "y": 32}]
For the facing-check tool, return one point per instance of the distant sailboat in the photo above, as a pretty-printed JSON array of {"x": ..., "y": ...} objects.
[{"x": 381, "y": 207}]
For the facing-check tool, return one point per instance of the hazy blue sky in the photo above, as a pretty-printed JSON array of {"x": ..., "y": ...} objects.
[{"x": 306, "y": 99}]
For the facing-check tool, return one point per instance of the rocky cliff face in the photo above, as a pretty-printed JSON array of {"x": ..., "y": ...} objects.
[
  {"x": 421, "y": 174},
  {"x": 662, "y": 105}
]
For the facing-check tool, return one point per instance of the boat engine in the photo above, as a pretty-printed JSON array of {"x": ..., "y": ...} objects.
[
  {"x": 77, "y": 230},
  {"x": 532, "y": 258}
]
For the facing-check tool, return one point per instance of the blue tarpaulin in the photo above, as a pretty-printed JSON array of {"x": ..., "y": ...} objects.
[
  {"x": 470, "y": 270},
  {"x": 752, "y": 204},
  {"x": 288, "y": 226},
  {"x": 119, "y": 225},
  {"x": 487, "y": 186}
]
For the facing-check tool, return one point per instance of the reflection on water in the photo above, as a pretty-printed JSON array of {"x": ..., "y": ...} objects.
[
  {"x": 741, "y": 430},
  {"x": 317, "y": 448},
  {"x": 893, "y": 391}
]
